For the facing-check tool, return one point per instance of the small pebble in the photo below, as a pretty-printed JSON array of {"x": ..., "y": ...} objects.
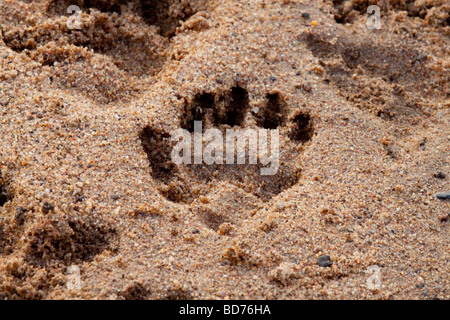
[
  {"x": 307, "y": 87},
  {"x": 305, "y": 15},
  {"x": 420, "y": 282},
  {"x": 272, "y": 78},
  {"x": 439, "y": 175},
  {"x": 421, "y": 56},
  {"x": 422, "y": 145},
  {"x": 115, "y": 197},
  {"x": 443, "y": 195},
  {"x": 325, "y": 261}
]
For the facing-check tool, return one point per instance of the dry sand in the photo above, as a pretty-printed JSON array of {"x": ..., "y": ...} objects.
[{"x": 86, "y": 178}]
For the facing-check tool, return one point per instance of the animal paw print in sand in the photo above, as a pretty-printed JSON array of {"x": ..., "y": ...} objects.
[
  {"x": 116, "y": 40},
  {"x": 185, "y": 183}
]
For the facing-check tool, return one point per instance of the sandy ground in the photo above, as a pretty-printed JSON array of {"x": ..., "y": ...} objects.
[{"x": 86, "y": 179}]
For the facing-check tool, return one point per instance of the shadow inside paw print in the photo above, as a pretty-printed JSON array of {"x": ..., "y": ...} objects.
[
  {"x": 228, "y": 109},
  {"x": 186, "y": 182},
  {"x": 5, "y": 191},
  {"x": 375, "y": 77}
]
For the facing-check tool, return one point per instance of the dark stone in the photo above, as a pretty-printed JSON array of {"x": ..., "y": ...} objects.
[
  {"x": 325, "y": 261},
  {"x": 439, "y": 175},
  {"x": 443, "y": 195},
  {"x": 422, "y": 145}
]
